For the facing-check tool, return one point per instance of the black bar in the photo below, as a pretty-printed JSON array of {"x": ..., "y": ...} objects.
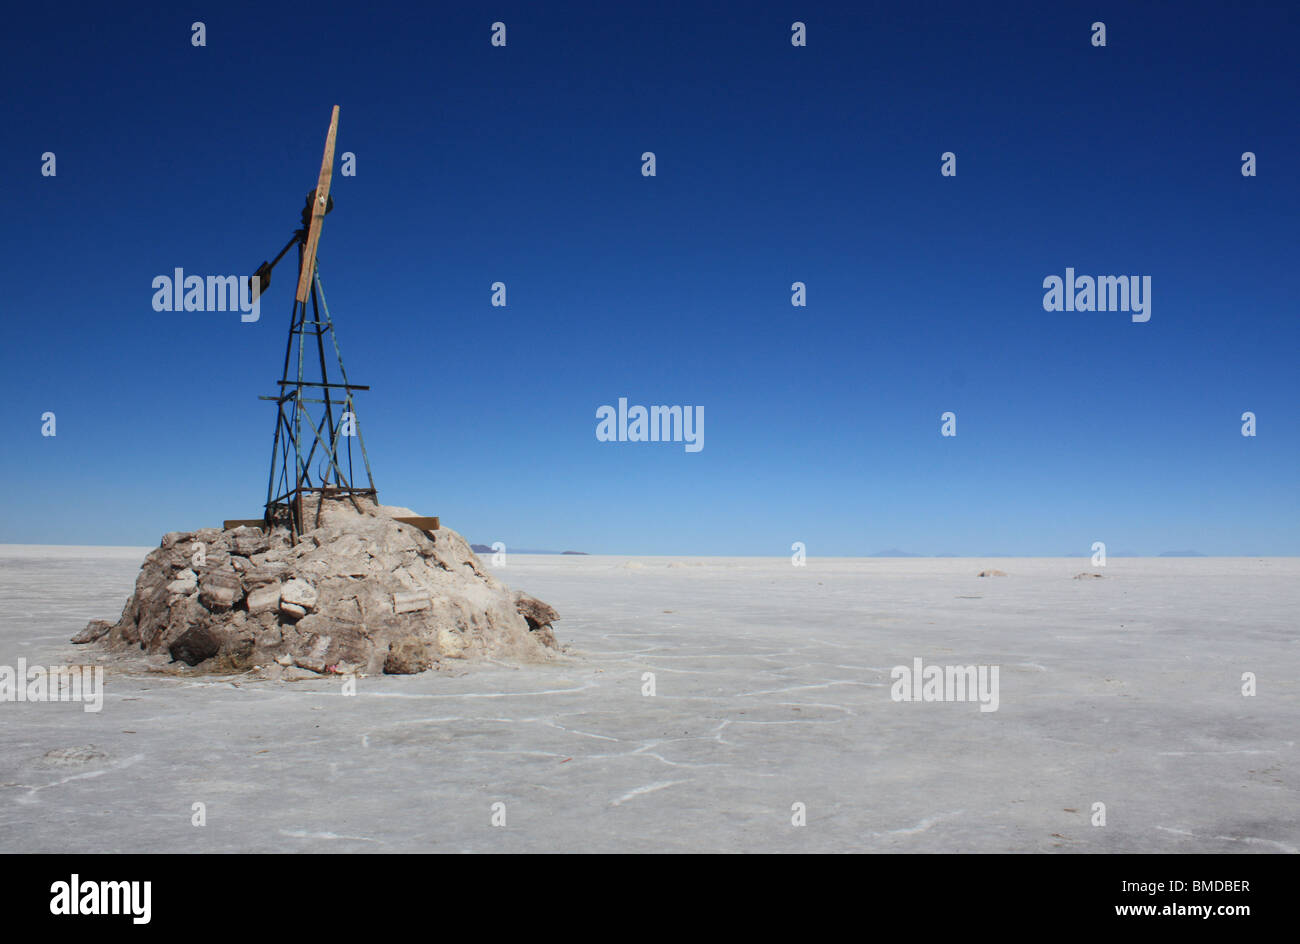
[{"x": 309, "y": 383}]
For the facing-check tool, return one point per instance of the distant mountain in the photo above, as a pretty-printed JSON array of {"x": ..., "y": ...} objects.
[
  {"x": 1088, "y": 555},
  {"x": 1182, "y": 554},
  {"x": 895, "y": 552},
  {"x": 487, "y": 549}
]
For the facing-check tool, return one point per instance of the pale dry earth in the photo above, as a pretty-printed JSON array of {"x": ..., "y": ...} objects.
[{"x": 772, "y": 688}]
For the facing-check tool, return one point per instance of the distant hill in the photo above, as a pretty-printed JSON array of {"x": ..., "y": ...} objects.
[
  {"x": 895, "y": 552},
  {"x": 1182, "y": 554},
  {"x": 487, "y": 549}
]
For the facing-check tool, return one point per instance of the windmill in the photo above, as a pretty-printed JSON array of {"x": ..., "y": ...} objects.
[{"x": 312, "y": 449}]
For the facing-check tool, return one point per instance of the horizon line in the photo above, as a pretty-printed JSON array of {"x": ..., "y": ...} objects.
[{"x": 1166, "y": 555}]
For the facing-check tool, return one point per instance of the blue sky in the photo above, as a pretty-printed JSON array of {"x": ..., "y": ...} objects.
[{"x": 774, "y": 164}]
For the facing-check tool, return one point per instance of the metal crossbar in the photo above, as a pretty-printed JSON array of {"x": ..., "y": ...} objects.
[{"x": 298, "y": 435}]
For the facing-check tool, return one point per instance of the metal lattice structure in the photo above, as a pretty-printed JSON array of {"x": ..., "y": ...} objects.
[
  {"x": 312, "y": 449},
  {"x": 311, "y": 452}
]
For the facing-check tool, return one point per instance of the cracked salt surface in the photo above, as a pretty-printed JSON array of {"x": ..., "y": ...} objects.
[{"x": 772, "y": 688}]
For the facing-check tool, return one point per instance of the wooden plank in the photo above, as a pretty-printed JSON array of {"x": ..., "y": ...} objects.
[
  {"x": 243, "y": 523},
  {"x": 318, "y": 210},
  {"x": 424, "y": 524}
]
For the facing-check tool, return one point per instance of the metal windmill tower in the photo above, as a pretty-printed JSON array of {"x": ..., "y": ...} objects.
[
  {"x": 312, "y": 450},
  {"x": 316, "y": 424}
]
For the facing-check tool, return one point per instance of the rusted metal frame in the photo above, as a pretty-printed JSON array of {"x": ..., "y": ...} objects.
[
  {"x": 343, "y": 371},
  {"x": 326, "y": 447},
  {"x": 270, "y": 481},
  {"x": 324, "y": 372},
  {"x": 291, "y": 436}
]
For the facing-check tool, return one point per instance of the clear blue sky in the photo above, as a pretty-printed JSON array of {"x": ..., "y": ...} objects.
[{"x": 775, "y": 164}]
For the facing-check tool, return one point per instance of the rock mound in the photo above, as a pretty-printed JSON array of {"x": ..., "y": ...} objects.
[{"x": 362, "y": 592}]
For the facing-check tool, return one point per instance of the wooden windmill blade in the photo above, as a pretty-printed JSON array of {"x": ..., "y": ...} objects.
[{"x": 319, "y": 206}]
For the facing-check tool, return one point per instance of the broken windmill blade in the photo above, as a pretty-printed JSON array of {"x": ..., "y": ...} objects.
[{"x": 312, "y": 449}]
